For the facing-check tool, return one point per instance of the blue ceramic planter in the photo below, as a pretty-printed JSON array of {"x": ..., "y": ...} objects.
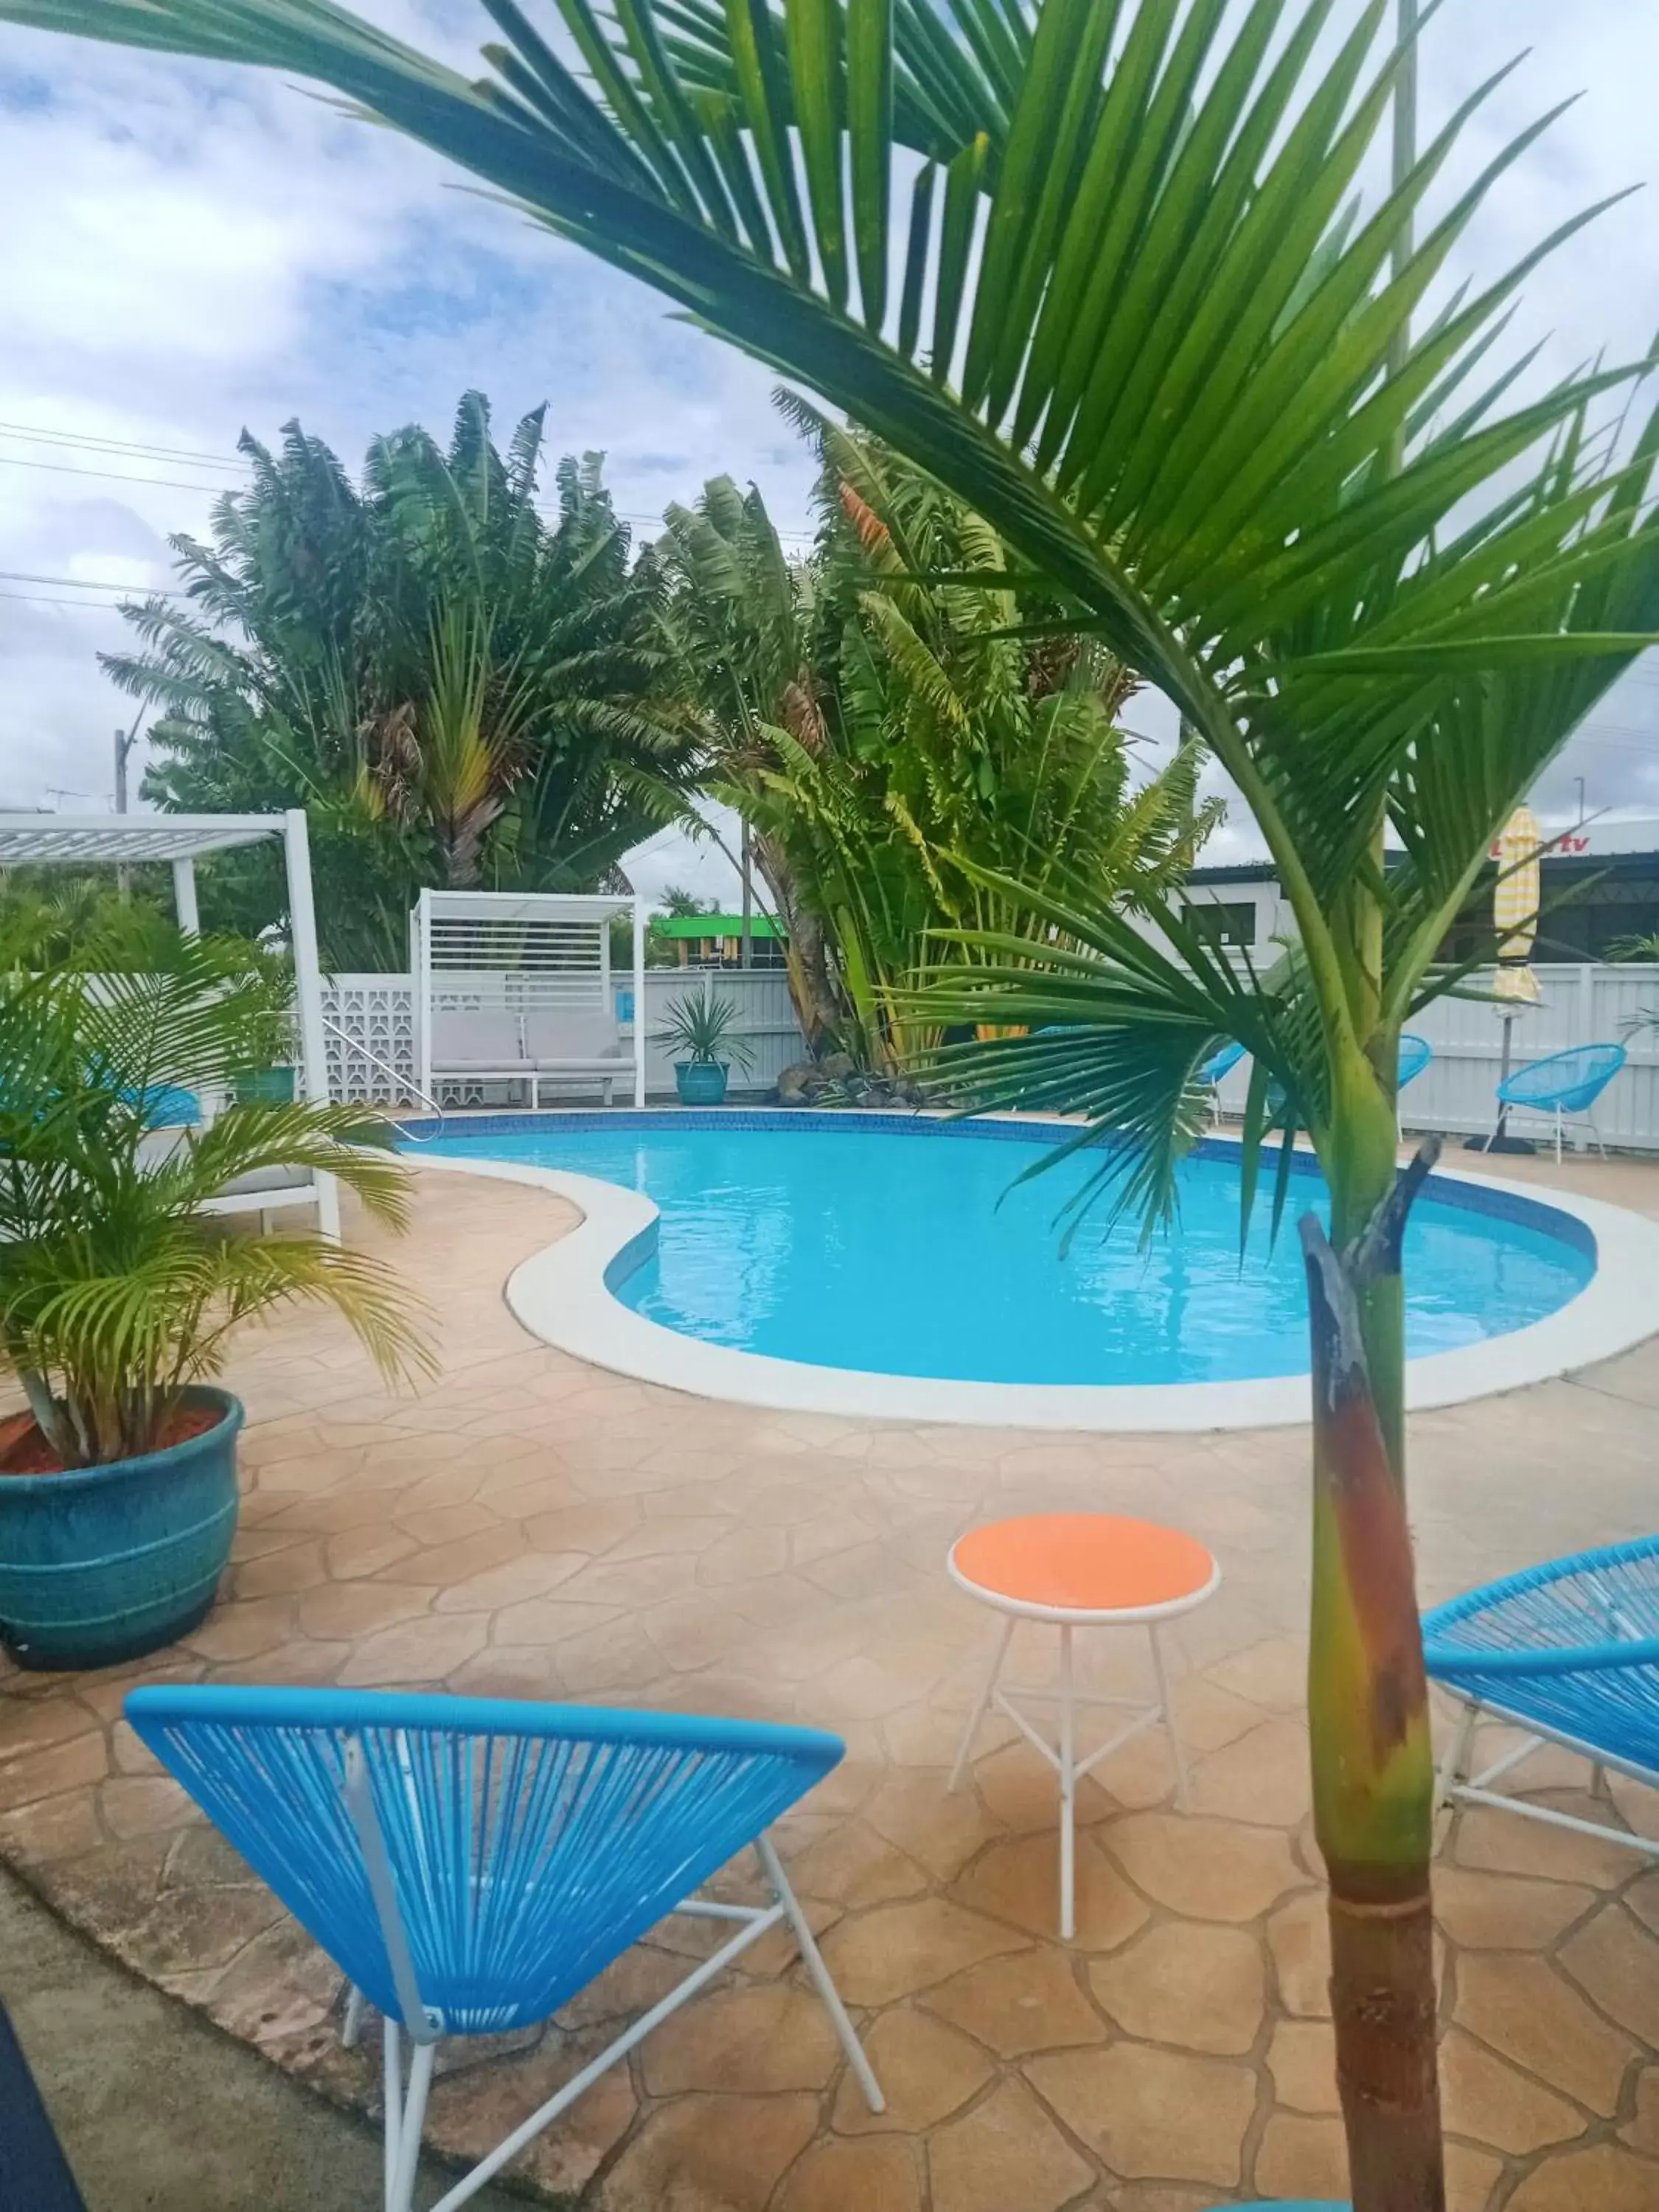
[
  {"x": 108, "y": 1563},
  {"x": 700, "y": 1082}
]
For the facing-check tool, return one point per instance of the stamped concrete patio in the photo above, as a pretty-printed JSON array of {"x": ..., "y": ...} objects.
[{"x": 528, "y": 1527}]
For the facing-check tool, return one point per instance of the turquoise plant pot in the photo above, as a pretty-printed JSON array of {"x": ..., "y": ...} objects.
[
  {"x": 700, "y": 1082},
  {"x": 105, "y": 1563},
  {"x": 269, "y": 1087}
]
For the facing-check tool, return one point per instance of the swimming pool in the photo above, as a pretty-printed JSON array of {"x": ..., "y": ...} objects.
[{"x": 895, "y": 1246}]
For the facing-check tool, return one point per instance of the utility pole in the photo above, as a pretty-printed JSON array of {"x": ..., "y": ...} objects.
[
  {"x": 125, "y": 742},
  {"x": 746, "y": 942}
]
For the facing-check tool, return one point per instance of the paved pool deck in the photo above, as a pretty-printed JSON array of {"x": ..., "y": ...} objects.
[{"x": 527, "y": 1526}]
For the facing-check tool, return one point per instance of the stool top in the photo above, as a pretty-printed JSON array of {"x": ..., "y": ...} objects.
[{"x": 1056, "y": 1566}]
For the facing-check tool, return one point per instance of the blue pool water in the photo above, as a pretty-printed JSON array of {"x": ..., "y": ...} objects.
[{"x": 904, "y": 1250}]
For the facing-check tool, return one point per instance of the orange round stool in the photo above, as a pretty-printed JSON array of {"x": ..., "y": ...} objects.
[{"x": 1079, "y": 1570}]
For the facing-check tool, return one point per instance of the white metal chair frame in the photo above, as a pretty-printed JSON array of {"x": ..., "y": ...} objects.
[
  {"x": 1455, "y": 1786},
  {"x": 1561, "y": 1121},
  {"x": 1062, "y": 1756},
  {"x": 406, "y": 2094}
]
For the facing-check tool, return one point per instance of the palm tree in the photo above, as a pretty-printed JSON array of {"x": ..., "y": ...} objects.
[
  {"x": 941, "y": 738},
  {"x": 460, "y": 689},
  {"x": 739, "y": 616},
  {"x": 1135, "y": 328}
]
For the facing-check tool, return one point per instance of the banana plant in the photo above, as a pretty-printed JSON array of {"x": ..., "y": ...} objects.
[{"x": 1092, "y": 264}]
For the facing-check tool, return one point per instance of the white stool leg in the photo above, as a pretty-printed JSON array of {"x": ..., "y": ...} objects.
[
  {"x": 1183, "y": 1797},
  {"x": 1067, "y": 1790},
  {"x": 983, "y": 1706}
]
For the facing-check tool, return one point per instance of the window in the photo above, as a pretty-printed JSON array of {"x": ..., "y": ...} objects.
[{"x": 1224, "y": 922}]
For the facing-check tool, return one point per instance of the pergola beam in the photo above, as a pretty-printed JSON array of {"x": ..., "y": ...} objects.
[{"x": 131, "y": 840}]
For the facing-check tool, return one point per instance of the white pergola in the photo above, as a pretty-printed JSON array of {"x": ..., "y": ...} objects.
[
  {"x": 128, "y": 840},
  {"x": 516, "y": 988}
]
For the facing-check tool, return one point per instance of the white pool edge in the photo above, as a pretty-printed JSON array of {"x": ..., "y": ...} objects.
[{"x": 561, "y": 1294}]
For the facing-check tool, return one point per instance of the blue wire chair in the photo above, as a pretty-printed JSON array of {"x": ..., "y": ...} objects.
[
  {"x": 471, "y": 1864},
  {"x": 1219, "y": 1065},
  {"x": 1566, "y": 1085},
  {"x": 1570, "y": 1651},
  {"x": 1415, "y": 1054}
]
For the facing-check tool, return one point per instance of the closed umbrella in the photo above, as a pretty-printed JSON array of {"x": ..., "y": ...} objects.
[{"x": 1514, "y": 913}]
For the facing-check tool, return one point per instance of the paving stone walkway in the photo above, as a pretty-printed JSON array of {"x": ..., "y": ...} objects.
[{"x": 529, "y": 1527}]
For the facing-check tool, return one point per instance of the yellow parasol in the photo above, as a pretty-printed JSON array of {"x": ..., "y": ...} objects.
[{"x": 1515, "y": 907}]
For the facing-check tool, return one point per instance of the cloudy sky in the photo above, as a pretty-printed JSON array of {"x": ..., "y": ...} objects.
[{"x": 190, "y": 250}]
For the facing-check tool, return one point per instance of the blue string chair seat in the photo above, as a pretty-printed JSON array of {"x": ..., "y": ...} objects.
[
  {"x": 1570, "y": 1650},
  {"x": 1564, "y": 1087},
  {"x": 471, "y": 1864}
]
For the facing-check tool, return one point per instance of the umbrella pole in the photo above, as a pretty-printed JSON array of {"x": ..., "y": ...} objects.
[{"x": 1502, "y": 1077}]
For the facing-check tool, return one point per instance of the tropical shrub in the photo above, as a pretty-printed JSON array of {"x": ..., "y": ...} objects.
[
  {"x": 458, "y": 690},
  {"x": 700, "y": 1030},
  {"x": 886, "y": 737},
  {"x": 116, "y": 1291}
]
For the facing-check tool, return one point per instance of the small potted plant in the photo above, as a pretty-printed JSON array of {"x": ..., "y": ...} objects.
[
  {"x": 700, "y": 1030},
  {"x": 118, "y": 1479}
]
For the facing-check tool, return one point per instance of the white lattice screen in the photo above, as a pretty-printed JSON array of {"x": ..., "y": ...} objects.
[{"x": 370, "y": 1038}]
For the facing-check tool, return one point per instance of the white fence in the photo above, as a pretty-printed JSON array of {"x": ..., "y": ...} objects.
[
  {"x": 1581, "y": 1005},
  {"x": 370, "y": 1030}
]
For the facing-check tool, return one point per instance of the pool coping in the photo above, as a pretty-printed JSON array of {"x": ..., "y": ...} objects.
[{"x": 563, "y": 1295}]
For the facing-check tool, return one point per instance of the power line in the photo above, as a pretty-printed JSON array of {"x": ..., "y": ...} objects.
[
  {"x": 114, "y": 476},
  {"x": 88, "y": 583},
  {"x": 85, "y": 439},
  {"x": 84, "y": 606},
  {"x": 79, "y": 441}
]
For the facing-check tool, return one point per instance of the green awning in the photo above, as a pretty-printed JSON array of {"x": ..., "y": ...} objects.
[{"x": 711, "y": 925}]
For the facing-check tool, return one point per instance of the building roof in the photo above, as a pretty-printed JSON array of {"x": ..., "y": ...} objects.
[
  {"x": 1240, "y": 871},
  {"x": 713, "y": 925}
]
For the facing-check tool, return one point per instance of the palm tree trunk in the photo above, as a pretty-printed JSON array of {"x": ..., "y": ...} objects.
[
  {"x": 1368, "y": 1700},
  {"x": 811, "y": 987}
]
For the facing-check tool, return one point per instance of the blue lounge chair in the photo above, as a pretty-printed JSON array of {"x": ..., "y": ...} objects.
[
  {"x": 1570, "y": 1651},
  {"x": 1219, "y": 1065},
  {"x": 470, "y": 1865},
  {"x": 1566, "y": 1085},
  {"x": 1415, "y": 1054}
]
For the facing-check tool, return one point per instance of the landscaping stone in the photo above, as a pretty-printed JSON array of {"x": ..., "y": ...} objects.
[
  {"x": 1006, "y": 2152},
  {"x": 926, "y": 2071},
  {"x": 1028, "y": 2003},
  {"x": 1200, "y": 1987},
  {"x": 1153, "y": 2113}
]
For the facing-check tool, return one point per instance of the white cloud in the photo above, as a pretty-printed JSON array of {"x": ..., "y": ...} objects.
[{"x": 189, "y": 249}]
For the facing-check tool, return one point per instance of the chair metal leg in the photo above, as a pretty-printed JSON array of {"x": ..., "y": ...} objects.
[
  {"x": 1557, "y": 1136},
  {"x": 400, "y": 2196},
  {"x": 984, "y": 1705},
  {"x": 1177, "y": 1756},
  {"x": 813, "y": 1959},
  {"x": 391, "y": 2070},
  {"x": 1067, "y": 1764},
  {"x": 351, "y": 2033},
  {"x": 1453, "y": 1766}
]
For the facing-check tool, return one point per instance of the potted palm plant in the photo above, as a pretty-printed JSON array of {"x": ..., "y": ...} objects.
[
  {"x": 117, "y": 1296},
  {"x": 700, "y": 1031}
]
